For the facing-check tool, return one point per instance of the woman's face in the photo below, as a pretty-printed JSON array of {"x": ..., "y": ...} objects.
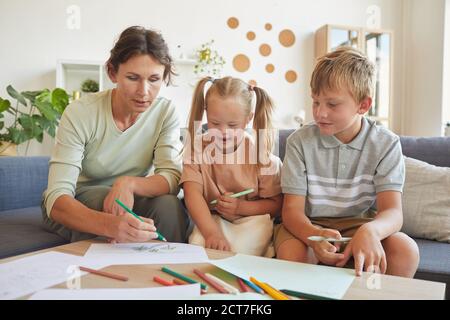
[{"x": 138, "y": 81}]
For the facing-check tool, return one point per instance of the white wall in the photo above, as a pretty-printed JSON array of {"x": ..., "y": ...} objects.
[
  {"x": 446, "y": 78},
  {"x": 35, "y": 35},
  {"x": 424, "y": 64}
]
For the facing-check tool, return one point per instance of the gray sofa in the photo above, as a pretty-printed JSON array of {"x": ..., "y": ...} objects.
[{"x": 23, "y": 179}]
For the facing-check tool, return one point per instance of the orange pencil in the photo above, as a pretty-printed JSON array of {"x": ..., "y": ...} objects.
[
  {"x": 179, "y": 282},
  {"x": 244, "y": 288},
  {"x": 162, "y": 281},
  {"x": 104, "y": 274},
  {"x": 211, "y": 282}
]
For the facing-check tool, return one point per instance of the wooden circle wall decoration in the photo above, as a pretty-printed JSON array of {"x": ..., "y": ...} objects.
[
  {"x": 265, "y": 49},
  {"x": 270, "y": 68},
  {"x": 291, "y": 76},
  {"x": 251, "y": 35},
  {"x": 241, "y": 63},
  {"x": 233, "y": 22},
  {"x": 286, "y": 38},
  {"x": 268, "y": 26}
]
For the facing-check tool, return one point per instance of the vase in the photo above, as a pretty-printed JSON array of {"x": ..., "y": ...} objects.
[{"x": 8, "y": 149}]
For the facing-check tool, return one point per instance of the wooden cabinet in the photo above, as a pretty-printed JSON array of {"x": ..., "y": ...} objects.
[{"x": 378, "y": 46}]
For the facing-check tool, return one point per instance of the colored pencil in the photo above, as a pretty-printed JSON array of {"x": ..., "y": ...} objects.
[
  {"x": 210, "y": 281},
  {"x": 179, "y": 282},
  {"x": 253, "y": 286},
  {"x": 160, "y": 236},
  {"x": 104, "y": 274},
  {"x": 277, "y": 295},
  {"x": 304, "y": 295},
  {"x": 162, "y": 281},
  {"x": 227, "y": 286},
  {"x": 236, "y": 195},
  {"x": 244, "y": 288},
  {"x": 182, "y": 277}
]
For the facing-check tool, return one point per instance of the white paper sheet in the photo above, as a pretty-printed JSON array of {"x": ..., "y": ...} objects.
[
  {"x": 27, "y": 275},
  {"x": 240, "y": 296},
  {"x": 146, "y": 253},
  {"x": 156, "y": 293},
  {"x": 280, "y": 274}
]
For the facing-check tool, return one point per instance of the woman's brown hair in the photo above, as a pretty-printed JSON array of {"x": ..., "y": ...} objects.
[{"x": 137, "y": 40}]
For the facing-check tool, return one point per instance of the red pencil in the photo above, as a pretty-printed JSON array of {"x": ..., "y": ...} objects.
[
  {"x": 244, "y": 288},
  {"x": 211, "y": 282},
  {"x": 104, "y": 274},
  {"x": 162, "y": 281}
]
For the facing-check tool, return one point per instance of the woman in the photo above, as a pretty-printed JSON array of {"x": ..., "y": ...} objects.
[{"x": 106, "y": 145}]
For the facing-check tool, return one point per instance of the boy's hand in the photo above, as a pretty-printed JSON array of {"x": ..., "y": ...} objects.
[
  {"x": 217, "y": 242},
  {"x": 326, "y": 252},
  {"x": 228, "y": 207},
  {"x": 367, "y": 251}
]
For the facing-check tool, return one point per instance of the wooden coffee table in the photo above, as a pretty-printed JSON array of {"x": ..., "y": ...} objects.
[{"x": 140, "y": 276}]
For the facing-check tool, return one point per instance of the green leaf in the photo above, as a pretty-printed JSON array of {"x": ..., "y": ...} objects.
[
  {"x": 45, "y": 95},
  {"x": 31, "y": 95},
  {"x": 60, "y": 100},
  {"x": 17, "y": 136},
  {"x": 31, "y": 126},
  {"x": 16, "y": 95},
  {"x": 46, "y": 109},
  {"x": 4, "y": 105}
]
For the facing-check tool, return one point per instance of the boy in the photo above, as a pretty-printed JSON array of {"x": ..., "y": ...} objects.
[{"x": 338, "y": 170}]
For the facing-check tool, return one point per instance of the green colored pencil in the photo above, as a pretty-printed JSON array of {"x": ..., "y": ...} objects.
[
  {"x": 160, "y": 237},
  {"x": 236, "y": 195},
  {"x": 304, "y": 295},
  {"x": 183, "y": 277}
]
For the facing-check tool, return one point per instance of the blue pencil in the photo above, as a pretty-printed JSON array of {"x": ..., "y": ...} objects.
[{"x": 253, "y": 286}]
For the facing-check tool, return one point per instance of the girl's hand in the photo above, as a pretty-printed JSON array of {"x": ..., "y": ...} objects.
[
  {"x": 218, "y": 242},
  {"x": 126, "y": 228},
  {"x": 326, "y": 252},
  {"x": 367, "y": 251},
  {"x": 121, "y": 190},
  {"x": 228, "y": 207}
]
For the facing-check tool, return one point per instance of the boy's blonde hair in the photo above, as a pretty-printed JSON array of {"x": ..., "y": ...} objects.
[
  {"x": 347, "y": 68},
  {"x": 243, "y": 92}
]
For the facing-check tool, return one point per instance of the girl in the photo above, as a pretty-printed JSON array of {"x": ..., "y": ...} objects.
[{"x": 227, "y": 160}]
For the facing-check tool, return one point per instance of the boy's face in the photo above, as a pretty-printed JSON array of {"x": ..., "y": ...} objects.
[{"x": 337, "y": 113}]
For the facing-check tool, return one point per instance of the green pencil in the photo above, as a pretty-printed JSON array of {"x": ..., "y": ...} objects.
[
  {"x": 160, "y": 237},
  {"x": 304, "y": 295},
  {"x": 236, "y": 195},
  {"x": 182, "y": 277}
]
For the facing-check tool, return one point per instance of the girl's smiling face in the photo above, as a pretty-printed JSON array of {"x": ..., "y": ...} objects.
[{"x": 227, "y": 120}]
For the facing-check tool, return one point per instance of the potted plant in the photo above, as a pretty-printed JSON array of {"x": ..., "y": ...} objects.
[
  {"x": 33, "y": 112},
  {"x": 89, "y": 85},
  {"x": 209, "y": 62}
]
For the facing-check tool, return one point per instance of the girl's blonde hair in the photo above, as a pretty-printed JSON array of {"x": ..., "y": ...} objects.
[
  {"x": 243, "y": 93},
  {"x": 344, "y": 68}
]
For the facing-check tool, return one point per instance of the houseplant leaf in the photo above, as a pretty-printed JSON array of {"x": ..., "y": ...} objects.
[
  {"x": 59, "y": 100},
  {"x": 31, "y": 127},
  {"x": 4, "y": 105},
  {"x": 31, "y": 95},
  {"x": 16, "y": 136},
  {"x": 46, "y": 110},
  {"x": 16, "y": 95}
]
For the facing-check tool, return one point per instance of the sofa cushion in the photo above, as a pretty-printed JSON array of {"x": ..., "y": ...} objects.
[
  {"x": 426, "y": 201},
  {"x": 23, "y": 180},
  {"x": 434, "y": 262},
  {"x": 21, "y": 231},
  {"x": 433, "y": 150}
]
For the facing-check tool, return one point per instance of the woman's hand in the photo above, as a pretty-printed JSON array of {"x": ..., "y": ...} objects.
[
  {"x": 127, "y": 228},
  {"x": 326, "y": 252},
  {"x": 217, "y": 241},
  {"x": 122, "y": 190},
  {"x": 367, "y": 251}
]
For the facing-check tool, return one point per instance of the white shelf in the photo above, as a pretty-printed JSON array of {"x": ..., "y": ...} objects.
[{"x": 70, "y": 74}]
